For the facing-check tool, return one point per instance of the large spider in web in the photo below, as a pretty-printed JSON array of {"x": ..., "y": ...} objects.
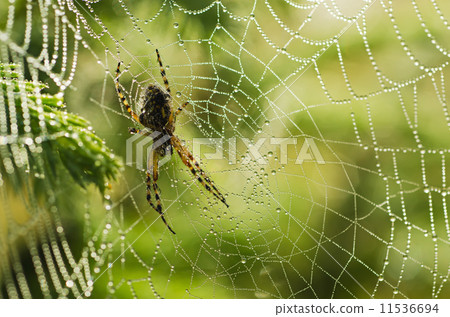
[{"x": 157, "y": 115}]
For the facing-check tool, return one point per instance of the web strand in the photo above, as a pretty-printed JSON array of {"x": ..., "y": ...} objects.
[{"x": 325, "y": 135}]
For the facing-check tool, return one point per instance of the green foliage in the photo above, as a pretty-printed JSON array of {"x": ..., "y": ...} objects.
[{"x": 37, "y": 123}]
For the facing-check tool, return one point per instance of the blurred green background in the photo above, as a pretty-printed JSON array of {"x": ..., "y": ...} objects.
[{"x": 366, "y": 81}]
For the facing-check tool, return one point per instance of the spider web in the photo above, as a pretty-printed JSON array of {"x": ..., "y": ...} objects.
[{"x": 365, "y": 81}]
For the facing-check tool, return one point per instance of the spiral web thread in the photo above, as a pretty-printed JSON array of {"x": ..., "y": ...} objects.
[{"x": 366, "y": 81}]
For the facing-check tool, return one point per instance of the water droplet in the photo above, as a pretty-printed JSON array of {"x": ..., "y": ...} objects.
[{"x": 69, "y": 283}]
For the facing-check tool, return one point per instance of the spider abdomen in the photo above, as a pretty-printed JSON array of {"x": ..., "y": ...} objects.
[{"x": 156, "y": 109}]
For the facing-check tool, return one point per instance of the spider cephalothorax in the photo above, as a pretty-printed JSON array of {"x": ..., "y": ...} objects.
[{"x": 157, "y": 115}]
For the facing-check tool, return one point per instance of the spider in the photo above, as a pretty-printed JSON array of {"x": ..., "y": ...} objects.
[{"x": 157, "y": 114}]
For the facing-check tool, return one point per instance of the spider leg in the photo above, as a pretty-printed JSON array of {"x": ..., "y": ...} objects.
[
  {"x": 163, "y": 72},
  {"x": 180, "y": 108},
  {"x": 138, "y": 131},
  {"x": 122, "y": 97},
  {"x": 172, "y": 115},
  {"x": 187, "y": 158},
  {"x": 152, "y": 185},
  {"x": 151, "y": 182}
]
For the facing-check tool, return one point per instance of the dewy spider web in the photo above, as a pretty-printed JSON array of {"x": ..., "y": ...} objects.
[{"x": 363, "y": 81}]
